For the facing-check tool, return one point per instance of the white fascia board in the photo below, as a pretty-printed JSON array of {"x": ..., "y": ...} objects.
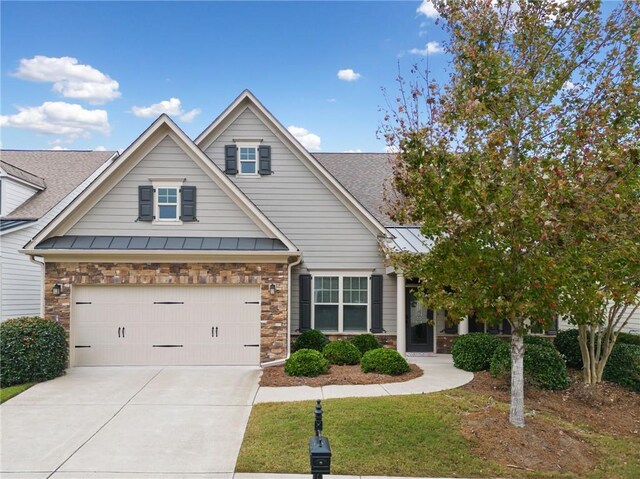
[{"x": 209, "y": 135}]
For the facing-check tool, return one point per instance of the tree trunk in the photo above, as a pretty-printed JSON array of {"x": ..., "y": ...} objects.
[{"x": 516, "y": 411}]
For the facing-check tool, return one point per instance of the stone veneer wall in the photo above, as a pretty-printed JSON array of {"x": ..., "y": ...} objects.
[
  {"x": 273, "y": 315},
  {"x": 387, "y": 340}
]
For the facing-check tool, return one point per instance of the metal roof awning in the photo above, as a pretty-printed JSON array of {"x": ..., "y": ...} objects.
[
  {"x": 8, "y": 224},
  {"x": 160, "y": 243},
  {"x": 409, "y": 239}
]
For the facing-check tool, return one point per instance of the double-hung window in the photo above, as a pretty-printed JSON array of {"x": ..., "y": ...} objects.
[
  {"x": 248, "y": 159},
  {"x": 167, "y": 201},
  {"x": 341, "y": 303}
]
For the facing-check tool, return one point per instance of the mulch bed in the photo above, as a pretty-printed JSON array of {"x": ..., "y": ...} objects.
[
  {"x": 545, "y": 445},
  {"x": 275, "y": 376}
]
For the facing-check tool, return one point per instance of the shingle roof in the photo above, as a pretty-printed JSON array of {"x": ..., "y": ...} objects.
[
  {"x": 162, "y": 243},
  {"x": 365, "y": 175},
  {"x": 16, "y": 172},
  {"x": 62, "y": 172}
]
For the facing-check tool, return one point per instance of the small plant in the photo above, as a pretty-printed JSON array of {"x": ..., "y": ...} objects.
[
  {"x": 365, "y": 342},
  {"x": 544, "y": 368},
  {"x": 472, "y": 352},
  {"x": 311, "y": 339},
  {"x": 306, "y": 362},
  {"x": 341, "y": 352},
  {"x": 31, "y": 349},
  {"x": 384, "y": 361},
  {"x": 568, "y": 345},
  {"x": 623, "y": 366}
]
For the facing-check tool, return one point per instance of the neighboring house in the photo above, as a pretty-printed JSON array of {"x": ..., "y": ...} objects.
[
  {"x": 34, "y": 187},
  {"x": 216, "y": 251}
]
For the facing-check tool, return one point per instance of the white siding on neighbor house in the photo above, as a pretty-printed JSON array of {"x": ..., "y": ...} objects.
[
  {"x": 116, "y": 213},
  {"x": 329, "y": 236},
  {"x": 14, "y": 194},
  {"x": 633, "y": 326},
  {"x": 20, "y": 279}
]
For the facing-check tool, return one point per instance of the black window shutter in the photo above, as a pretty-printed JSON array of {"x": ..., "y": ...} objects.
[
  {"x": 376, "y": 303},
  {"x": 188, "y": 203},
  {"x": 145, "y": 203},
  {"x": 230, "y": 159},
  {"x": 264, "y": 155},
  {"x": 305, "y": 302}
]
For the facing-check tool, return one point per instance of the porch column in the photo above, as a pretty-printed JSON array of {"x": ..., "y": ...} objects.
[
  {"x": 401, "y": 332},
  {"x": 463, "y": 326}
]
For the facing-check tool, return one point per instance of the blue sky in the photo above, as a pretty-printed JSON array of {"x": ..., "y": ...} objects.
[{"x": 83, "y": 75}]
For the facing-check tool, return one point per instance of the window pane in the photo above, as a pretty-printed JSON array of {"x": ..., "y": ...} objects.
[
  {"x": 326, "y": 318},
  {"x": 167, "y": 195},
  {"x": 355, "y": 318},
  {"x": 247, "y": 167},
  {"x": 355, "y": 290},
  {"x": 168, "y": 212},
  {"x": 323, "y": 290}
]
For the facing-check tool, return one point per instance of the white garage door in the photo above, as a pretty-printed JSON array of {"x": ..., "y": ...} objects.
[{"x": 165, "y": 325}]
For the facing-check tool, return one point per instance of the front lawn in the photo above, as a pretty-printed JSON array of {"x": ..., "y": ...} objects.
[
  {"x": 11, "y": 391},
  {"x": 462, "y": 432}
]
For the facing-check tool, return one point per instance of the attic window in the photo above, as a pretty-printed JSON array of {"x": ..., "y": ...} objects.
[
  {"x": 167, "y": 201},
  {"x": 248, "y": 157}
]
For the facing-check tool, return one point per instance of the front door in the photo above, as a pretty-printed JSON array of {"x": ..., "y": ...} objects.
[{"x": 420, "y": 324}]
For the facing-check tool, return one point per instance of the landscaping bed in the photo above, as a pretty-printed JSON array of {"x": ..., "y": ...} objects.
[{"x": 275, "y": 376}]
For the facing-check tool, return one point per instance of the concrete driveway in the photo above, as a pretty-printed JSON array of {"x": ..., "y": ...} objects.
[{"x": 129, "y": 422}]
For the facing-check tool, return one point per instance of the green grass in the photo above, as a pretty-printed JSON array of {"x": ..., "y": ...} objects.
[
  {"x": 11, "y": 391},
  {"x": 401, "y": 436}
]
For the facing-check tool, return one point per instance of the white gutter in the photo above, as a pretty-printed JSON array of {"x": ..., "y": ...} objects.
[
  {"x": 41, "y": 264},
  {"x": 277, "y": 362}
]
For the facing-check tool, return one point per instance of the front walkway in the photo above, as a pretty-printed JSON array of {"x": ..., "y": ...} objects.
[{"x": 439, "y": 374}]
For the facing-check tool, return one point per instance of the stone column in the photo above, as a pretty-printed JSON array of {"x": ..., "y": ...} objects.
[
  {"x": 463, "y": 326},
  {"x": 401, "y": 332}
]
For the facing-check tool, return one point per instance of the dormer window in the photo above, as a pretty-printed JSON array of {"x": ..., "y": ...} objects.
[
  {"x": 168, "y": 204},
  {"x": 247, "y": 158}
]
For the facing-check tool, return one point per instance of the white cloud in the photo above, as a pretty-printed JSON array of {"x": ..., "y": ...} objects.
[
  {"x": 309, "y": 140},
  {"x": 100, "y": 148},
  {"x": 429, "y": 49},
  {"x": 569, "y": 85},
  {"x": 172, "y": 107},
  {"x": 391, "y": 149},
  {"x": 353, "y": 151},
  {"x": 58, "y": 148},
  {"x": 70, "y": 78},
  {"x": 348, "y": 75},
  {"x": 58, "y": 118},
  {"x": 427, "y": 9}
]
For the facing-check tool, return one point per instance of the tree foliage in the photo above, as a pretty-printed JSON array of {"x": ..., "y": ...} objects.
[{"x": 523, "y": 167}]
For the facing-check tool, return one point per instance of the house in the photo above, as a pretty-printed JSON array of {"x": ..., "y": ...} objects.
[
  {"x": 218, "y": 250},
  {"x": 34, "y": 187}
]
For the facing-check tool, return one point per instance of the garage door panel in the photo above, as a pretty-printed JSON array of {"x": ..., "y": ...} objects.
[{"x": 165, "y": 325}]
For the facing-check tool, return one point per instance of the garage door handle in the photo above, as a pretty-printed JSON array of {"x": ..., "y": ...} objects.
[
  {"x": 251, "y": 345},
  {"x": 119, "y": 331},
  {"x": 214, "y": 331},
  {"x": 123, "y": 331}
]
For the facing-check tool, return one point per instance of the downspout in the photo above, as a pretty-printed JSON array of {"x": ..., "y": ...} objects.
[
  {"x": 281, "y": 361},
  {"x": 42, "y": 266}
]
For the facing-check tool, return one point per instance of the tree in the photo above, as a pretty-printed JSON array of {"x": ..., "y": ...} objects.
[{"x": 490, "y": 164}]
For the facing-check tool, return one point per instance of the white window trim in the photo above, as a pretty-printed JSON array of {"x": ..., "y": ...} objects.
[
  {"x": 157, "y": 184},
  {"x": 341, "y": 275},
  {"x": 248, "y": 144}
]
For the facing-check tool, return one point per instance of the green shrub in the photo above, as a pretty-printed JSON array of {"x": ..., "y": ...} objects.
[
  {"x": 384, "y": 361},
  {"x": 623, "y": 366},
  {"x": 472, "y": 352},
  {"x": 365, "y": 342},
  {"x": 341, "y": 352},
  {"x": 311, "y": 339},
  {"x": 539, "y": 340},
  {"x": 31, "y": 350},
  {"x": 306, "y": 362},
  {"x": 628, "y": 338},
  {"x": 544, "y": 368},
  {"x": 568, "y": 345}
]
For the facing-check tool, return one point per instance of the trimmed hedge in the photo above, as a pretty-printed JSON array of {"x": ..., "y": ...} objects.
[
  {"x": 365, "y": 342},
  {"x": 539, "y": 340},
  {"x": 473, "y": 352},
  {"x": 628, "y": 338},
  {"x": 623, "y": 366},
  {"x": 306, "y": 362},
  {"x": 568, "y": 345},
  {"x": 384, "y": 361},
  {"x": 32, "y": 349},
  {"x": 311, "y": 339},
  {"x": 544, "y": 368},
  {"x": 341, "y": 352}
]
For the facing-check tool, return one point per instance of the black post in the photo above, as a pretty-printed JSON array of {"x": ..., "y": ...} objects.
[{"x": 318, "y": 429}]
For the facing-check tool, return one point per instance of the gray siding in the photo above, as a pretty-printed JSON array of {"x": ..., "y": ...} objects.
[
  {"x": 307, "y": 212},
  {"x": 116, "y": 213},
  {"x": 633, "y": 326},
  {"x": 14, "y": 194}
]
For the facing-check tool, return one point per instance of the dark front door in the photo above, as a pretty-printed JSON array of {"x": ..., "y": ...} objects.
[{"x": 420, "y": 321}]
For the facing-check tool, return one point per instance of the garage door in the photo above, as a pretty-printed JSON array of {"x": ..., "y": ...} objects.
[{"x": 165, "y": 325}]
